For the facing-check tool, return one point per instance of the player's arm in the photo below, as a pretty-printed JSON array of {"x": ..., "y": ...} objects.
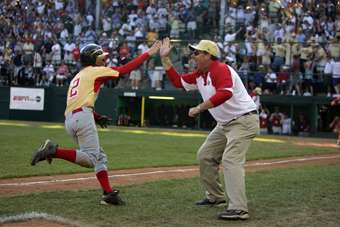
[{"x": 135, "y": 63}]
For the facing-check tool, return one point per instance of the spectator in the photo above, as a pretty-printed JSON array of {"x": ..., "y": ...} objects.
[
  {"x": 286, "y": 125},
  {"x": 328, "y": 75},
  {"x": 302, "y": 125},
  {"x": 62, "y": 74},
  {"x": 37, "y": 67},
  {"x": 270, "y": 81},
  {"x": 295, "y": 77},
  {"x": 263, "y": 117},
  {"x": 230, "y": 36},
  {"x": 56, "y": 53},
  {"x": 25, "y": 75},
  {"x": 276, "y": 121},
  {"x": 335, "y": 66},
  {"x": 135, "y": 77},
  {"x": 282, "y": 80},
  {"x": 279, "y": 55},
  {"x": 68, "y": 48},
  {"x": 255, "y": 95},
  {"x": 49, "y": 74}
]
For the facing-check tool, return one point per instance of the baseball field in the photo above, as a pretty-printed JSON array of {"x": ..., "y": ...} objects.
[{"x": 290, "y": 181}]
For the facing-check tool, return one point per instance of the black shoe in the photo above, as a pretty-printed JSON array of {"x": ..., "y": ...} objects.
[
  {"x": 234, "y": 215},
  {"x": 207, "y": 202},
  {"x": 112, "y": 198},
  {"x": 45, "y": 152}
]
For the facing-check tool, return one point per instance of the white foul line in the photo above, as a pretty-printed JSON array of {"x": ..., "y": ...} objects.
[{"x": 165, "y": 171}]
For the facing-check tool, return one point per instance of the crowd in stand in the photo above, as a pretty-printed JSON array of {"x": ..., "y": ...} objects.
[{"x": 289, "y": 47}]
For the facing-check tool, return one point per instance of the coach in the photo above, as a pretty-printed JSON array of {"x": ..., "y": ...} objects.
[{"x": 227, "y": 100}]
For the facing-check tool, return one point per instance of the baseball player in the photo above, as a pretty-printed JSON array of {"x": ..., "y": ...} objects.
[
  {"x": 80, "y": 117},
  {"x": 227, "y": 100}
]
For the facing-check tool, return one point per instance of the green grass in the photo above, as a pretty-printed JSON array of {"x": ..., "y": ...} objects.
[
  {"x": 126, "y": 148},
  {"x": 309, "y": 196}
]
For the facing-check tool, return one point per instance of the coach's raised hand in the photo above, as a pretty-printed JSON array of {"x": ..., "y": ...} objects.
[
  {"x": 154, "y": 48},
  {"x": 165, "y": 48}
]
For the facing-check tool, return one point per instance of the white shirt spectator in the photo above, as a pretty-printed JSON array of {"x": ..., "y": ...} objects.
[
  {"x": 58, "y": 5},
  {"x": 77, "y": 29},
  {"x": 240, "y": 17},
  {"x": 49, "y": 72},
  {"x": 132, "y": 17},
  {"x": 308, "y": 18},
  {"x": 89, "y": 19},
  {"x": 150, "y": 10},
  {"x": 125, "y": 29},
  {"x": 335, "y": 66},
  {"x": 328, "y": 67},
  {"x": 229, "y": 37},
  {"x": 162, "y": 12},
  {"x": 287, "y": 126},
  {"x": 64, "y": 34},
  {"x": 37, "y": 60},
  {"x": 153, "y": 24},
  {"x": 28, "y": 48},
  {"x": 40, "y": 8},
  {"x": 68, "y": 48},
  {"x": 56, "y": 54},
  {"x": 47, "y": 34},
  {"x": 143, "y": 47},
  {"x": 278, "y": 33},
  {"x": 271, "y": 77},
  {"x": 138, "y": 33},
  {"x": 106, "y": 24}
]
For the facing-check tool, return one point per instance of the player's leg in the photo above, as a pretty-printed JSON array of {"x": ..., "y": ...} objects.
[
  {"x": 49, "y": 150},
  {"x": 88, "y": 140},
  {"x": 209, "y": 156}
]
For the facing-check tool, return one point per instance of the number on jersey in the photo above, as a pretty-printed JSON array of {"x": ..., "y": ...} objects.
[{"x": 74, "y": 88}]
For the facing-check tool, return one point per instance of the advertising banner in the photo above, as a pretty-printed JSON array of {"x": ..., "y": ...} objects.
[{"x": 27, "y": 98}]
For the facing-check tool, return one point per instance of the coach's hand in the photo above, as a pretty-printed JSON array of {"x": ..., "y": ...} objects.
[{"x": 194, "y": 111}]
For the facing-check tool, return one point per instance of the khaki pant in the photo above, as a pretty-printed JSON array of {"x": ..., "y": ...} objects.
[{"x": 227, "y": 144}]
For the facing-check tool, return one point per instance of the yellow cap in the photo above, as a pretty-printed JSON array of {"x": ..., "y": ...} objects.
[{"x": 207, "y": 46}]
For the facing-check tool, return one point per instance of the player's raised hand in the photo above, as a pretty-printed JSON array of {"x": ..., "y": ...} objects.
[
  {"x": 165, "y": 48},
  {"x": 154, "y": 48}
]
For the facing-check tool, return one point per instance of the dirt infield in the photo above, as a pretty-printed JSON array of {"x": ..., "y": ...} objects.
[
  {"x": 84, "y": 181},
  {"x": 73, "y": 182}
]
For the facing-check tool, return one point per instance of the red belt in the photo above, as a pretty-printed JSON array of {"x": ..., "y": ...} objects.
[
  {"x": 77, "y": 110},
  {"x": 80, "y": 109}
]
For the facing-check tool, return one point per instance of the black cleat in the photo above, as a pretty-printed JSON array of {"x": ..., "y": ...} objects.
[
  {"x": 112, "y": 198},
  {"x": 207, "y": 202},
  {"x": 45, "y": 152}
]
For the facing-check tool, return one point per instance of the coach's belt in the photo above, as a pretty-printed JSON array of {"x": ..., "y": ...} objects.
[
  {"x": 251, "y": 112},
  {"x": 245, "y": 114},
  {"x": 81, "y": 109}
]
